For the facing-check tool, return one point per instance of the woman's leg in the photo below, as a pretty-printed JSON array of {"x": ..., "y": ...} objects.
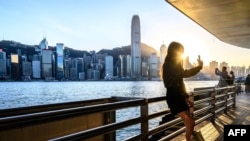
[{"x": 189, "y": 123}]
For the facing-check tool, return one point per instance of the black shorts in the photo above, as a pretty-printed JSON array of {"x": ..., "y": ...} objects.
[{"x": 176, "y": 100}]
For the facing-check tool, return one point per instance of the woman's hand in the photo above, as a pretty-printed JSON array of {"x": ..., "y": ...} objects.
[
  {"x": 189, "y": 102},
  {"x": 200, "y": 62}
]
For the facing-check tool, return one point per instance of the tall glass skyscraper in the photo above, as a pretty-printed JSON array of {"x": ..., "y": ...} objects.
[
  {"x": 136, "y": 48},
  {"x": 59, "y": 61}
]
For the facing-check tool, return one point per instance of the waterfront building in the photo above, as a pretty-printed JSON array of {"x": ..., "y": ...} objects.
[
  {"x": 47, "y": 64},
  {"x": 59, "y": 61},
  {"x": 144, "y": 68},
  {"x": 153, "y": 66},
  {"x": 15, "y": 67},
  {"x": 73, "y": 74},
  {"x": 79, "y": 64},
  {"x": 20, "y": 64},
  {"x": 82, "y": 76},
  {"x": 163, "y": 53},
  {"x": 120, "y": 66},
  {"x": 241, "y": 71},
  {"x": 87, "y": 64},
  {"x": 8, "y": 66},
  {"x": 136, "y": 48},
  {"x": 89, "y": 74},
  {"x": 186, "y": 63},
  {"x": 67, "y": 68},
  {"x": 109, "y": 67},
  {"x": 3, "y": 65},
  {"x": 212, "y": 66},
  {"x": 36, "y": 69},
  {"x": 95, "y": 74},
  {"x": 36, "y": 66},
  {"x": 27, "y": 70},
  {"x": 128, "y": 65},
  {"x": 125, "y": 66}
]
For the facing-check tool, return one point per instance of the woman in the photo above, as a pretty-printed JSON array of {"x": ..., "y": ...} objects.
[
  {"x": 247, "y": 84},
  {"x": 231, "y": 78},
  {"x": 223, "y": 76},
  {"x": 173, "y": 74}
]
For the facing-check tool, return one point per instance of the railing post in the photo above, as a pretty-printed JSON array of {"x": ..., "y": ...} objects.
[
  {"x": 234, "y": 96},
  {"x": 144, "y": 123},
  {"x": 213, "y": 101},
  {"x": 226, "y": 98},
  {"x": 110, "y": 117}
]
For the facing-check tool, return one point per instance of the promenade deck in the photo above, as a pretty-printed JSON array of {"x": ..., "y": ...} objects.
[{"x": 240, "y": 115}]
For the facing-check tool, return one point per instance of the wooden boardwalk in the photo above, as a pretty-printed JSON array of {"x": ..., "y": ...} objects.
[{"x": 240, "y": 115}]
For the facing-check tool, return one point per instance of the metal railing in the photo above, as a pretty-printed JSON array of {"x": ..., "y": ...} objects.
[
  {"x": 211, "y": 102},
  {"x": 207, "y": 103}
]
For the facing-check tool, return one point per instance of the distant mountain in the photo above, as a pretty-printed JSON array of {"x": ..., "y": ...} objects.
[
  {"x": 29, "y": 50},
  {"x": 126, "y": 50},
  {"x": 148, "y": 50}
]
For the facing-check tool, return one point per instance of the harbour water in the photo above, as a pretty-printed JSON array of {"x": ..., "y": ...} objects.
[{"x": 22, "y": 94}]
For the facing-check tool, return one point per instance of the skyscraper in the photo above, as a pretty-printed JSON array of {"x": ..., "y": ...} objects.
[
  {"x": 47, "y": 64},
  {"x": 109, "y": 67},
  {"x": 136, "y": 48},
  {"x": 3, "y": 66},
  {"x": 59, "y": 61},
  {"x": 163, "y": 53},
  {"x": 43, "y": 44}
]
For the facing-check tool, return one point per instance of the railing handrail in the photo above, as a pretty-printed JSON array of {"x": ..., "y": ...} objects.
[
  {"x": 28, "y": 119},
  {"x": 117, "y": 103}
]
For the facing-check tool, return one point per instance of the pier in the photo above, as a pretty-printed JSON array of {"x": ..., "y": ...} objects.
[{"x": 95, "y": 119}]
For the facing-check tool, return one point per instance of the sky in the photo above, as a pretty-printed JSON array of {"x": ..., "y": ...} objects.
[{"x": 106, "y": 24}]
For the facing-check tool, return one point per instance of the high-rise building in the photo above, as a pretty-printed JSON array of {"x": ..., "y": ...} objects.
[
  {"x": 163, "y": 53},
  {"x": 3, "y": 65},
  {"x": 212, "y": 66},
  {"x": 43, "y": 45},
  {"x": 153, "y": 66},
  {"x": 27, "y": 70},
  {"x": 128, "y": 65},
  {"x": 47, "y": 64},
  {"x": 136, "y": 48},
  {"x": 79, "y": 66},
  {"x": 36, "y": 66},
  {"x": 109, "y": 67},
  {"x": 59, "y": 61},
  {"x": 145, "y": 68},
  {"x": 15, "y": 67}
]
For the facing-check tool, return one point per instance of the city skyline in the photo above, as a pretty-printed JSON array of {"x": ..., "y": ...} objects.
[{"x": 95, "y": 25}]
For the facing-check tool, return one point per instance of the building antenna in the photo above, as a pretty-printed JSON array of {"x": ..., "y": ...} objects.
[{"x": 44, "y": 35}]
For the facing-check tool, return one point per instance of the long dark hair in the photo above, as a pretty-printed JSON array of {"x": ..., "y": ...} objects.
[{"x": 174, "y": 48}]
